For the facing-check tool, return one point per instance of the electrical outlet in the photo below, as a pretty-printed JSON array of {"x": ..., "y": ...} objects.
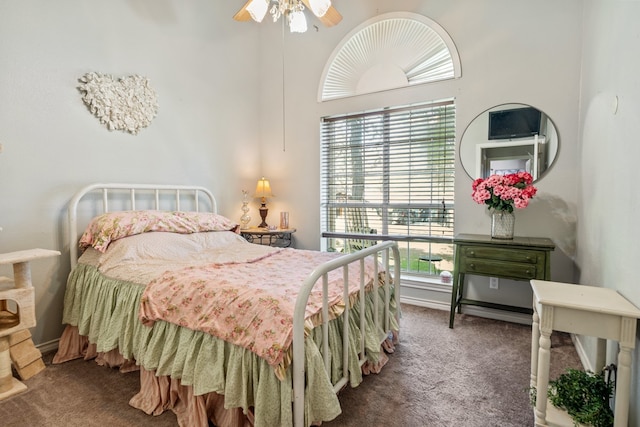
[{"x": 493, "y": 283}]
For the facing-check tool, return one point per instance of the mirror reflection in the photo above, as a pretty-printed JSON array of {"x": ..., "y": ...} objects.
[{"x": 509, "y": 138}]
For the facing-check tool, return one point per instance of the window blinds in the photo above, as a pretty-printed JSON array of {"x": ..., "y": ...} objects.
[{"x": 390, "y": 172}]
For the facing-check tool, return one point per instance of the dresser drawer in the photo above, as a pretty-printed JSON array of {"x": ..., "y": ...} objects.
[
  {"x": 521, "y": 258},
  {"x": 503, "y": 254},
  {"x": 506, "y": 269}
]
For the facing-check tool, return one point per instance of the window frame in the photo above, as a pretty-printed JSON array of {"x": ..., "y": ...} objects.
[{"x": 385, "y": 205}]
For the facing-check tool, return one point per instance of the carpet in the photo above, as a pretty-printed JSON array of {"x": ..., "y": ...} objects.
[{"x": 475, "y": 375}]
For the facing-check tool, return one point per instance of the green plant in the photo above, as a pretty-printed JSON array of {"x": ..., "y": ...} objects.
[{"x": 584, "y": 395}]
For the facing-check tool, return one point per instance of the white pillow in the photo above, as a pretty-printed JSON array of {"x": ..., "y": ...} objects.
[{"x": 159, "y": 245}]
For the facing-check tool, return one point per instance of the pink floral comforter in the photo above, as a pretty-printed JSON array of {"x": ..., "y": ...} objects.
[{"x": 249, "y": 304}]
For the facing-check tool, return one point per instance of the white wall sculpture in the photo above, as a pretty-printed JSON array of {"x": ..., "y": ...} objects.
[{"x": 126, "y": 103}]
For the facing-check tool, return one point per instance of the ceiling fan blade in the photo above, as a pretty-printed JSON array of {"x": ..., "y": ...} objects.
[
  {"x": 329, "y": 19},
  {"x": 243, "y": 14}
]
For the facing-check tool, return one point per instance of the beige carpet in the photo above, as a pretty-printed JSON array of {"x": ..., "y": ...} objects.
[{"x": 475, "y": 375}]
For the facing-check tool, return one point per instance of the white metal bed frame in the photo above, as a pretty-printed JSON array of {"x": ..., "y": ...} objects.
[{"x": 197, "y": 193}]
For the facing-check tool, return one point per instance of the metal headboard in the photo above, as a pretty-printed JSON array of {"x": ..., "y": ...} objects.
[{"x": 159, "y": 192}]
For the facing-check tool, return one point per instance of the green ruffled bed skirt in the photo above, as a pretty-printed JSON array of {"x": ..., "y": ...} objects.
[{"x": 105, "y": 310}]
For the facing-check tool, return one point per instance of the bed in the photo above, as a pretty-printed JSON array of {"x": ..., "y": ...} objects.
[{"x": 222, "y": 331}]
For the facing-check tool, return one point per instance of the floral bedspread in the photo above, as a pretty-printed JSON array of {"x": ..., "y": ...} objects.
[{"x": 249, "y": 304}]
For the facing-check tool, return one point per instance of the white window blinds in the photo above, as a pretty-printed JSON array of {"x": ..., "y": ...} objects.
[{"x": 388, "y": 174}]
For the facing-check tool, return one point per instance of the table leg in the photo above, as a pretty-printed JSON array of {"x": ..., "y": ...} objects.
[
  {"x": 454, "y": 299},
  {"x": 460, "y": 291},
  {"x": 623, "y": 383},
  {"x": 542, "y": 383},
  {"x": 535, "y": 345},
  {"x": 623, "y": 373},
  {"x": 456, "y": 284}
]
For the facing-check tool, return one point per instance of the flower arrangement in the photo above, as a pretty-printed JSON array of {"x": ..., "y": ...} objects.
[{"x": 503, "y": 192}]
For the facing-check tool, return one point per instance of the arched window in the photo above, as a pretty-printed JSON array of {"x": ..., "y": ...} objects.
[{"x": 389, "y": 51}]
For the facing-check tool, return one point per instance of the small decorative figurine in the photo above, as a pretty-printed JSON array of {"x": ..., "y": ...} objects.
[{"x": 245, "y": 218}]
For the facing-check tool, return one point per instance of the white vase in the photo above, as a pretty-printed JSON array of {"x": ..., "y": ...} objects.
[{"x": 502, "y": 225}]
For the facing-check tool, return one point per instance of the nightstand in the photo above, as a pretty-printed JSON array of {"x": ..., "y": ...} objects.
[{"x": 280, "y": 238}]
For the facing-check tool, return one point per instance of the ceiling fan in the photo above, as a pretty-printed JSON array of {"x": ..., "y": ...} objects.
[{"x": 292, "y": 10}]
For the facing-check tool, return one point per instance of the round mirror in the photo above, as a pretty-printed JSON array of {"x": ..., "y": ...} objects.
[{"x": 509, "y": 138}]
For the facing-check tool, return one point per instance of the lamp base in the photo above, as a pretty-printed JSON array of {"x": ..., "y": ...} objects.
[{"x": 263, "y": 214}]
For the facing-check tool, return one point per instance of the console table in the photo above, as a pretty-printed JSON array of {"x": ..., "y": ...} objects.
[
  {"x": 522, "y": 258},
  {"x": 584, "y": 310}
]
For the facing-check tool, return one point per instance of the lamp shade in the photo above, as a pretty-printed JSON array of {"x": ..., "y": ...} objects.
[
  {"x": 263, "y": 188},
  {"x": 297, "y": 22}
]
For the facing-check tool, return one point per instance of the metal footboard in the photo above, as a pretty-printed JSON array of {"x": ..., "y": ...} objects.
[{"x": 383, "y": 249}]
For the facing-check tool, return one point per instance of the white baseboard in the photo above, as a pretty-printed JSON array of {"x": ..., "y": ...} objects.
[
  {"x": 489, "y": 313},
  {"x": 507, "y": 316},
  {"x": 582, "y": 354},
  {"x": 48, "y": 346},
  {"x": 437, "y": 305}
]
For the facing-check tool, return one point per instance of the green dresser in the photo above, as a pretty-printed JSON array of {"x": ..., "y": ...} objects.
[{"x": 523, "y": 258}]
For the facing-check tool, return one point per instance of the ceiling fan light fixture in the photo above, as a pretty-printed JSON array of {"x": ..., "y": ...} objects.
[
  {"x": 297, "y": 22},
  {"x": 258, "y": 9},
  {"x": 319, "y": 7}
]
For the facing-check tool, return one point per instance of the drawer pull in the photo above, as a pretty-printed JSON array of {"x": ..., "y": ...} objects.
[
  {"x": 472, "y": 266},
  {"x": 472, "y": 253}
]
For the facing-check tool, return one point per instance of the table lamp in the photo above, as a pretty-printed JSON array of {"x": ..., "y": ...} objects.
[{"x": 263, "y": 190}]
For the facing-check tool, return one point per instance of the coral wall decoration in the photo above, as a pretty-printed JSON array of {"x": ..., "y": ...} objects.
[{"x": 126, "y": 103}]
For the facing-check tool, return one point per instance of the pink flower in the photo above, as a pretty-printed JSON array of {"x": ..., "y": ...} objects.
[
  {"x": 476, "y": 183},
  {"x": 520, "y": 203},
  {"x": 481, "y": 195},
  {"x": 530, "y": 191},
  {"x": 504, "y": 192}
]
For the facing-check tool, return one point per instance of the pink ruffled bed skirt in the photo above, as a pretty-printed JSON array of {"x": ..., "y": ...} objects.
[{"x": 157, "y": 394}]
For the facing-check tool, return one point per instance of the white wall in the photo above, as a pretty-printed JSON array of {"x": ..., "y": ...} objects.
[
  {"x": 200, "y": 62},
  {"x": 220, "y": 121},
  {"x": 608, "y": 230},
  {"x": 523, "y": 52}
]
